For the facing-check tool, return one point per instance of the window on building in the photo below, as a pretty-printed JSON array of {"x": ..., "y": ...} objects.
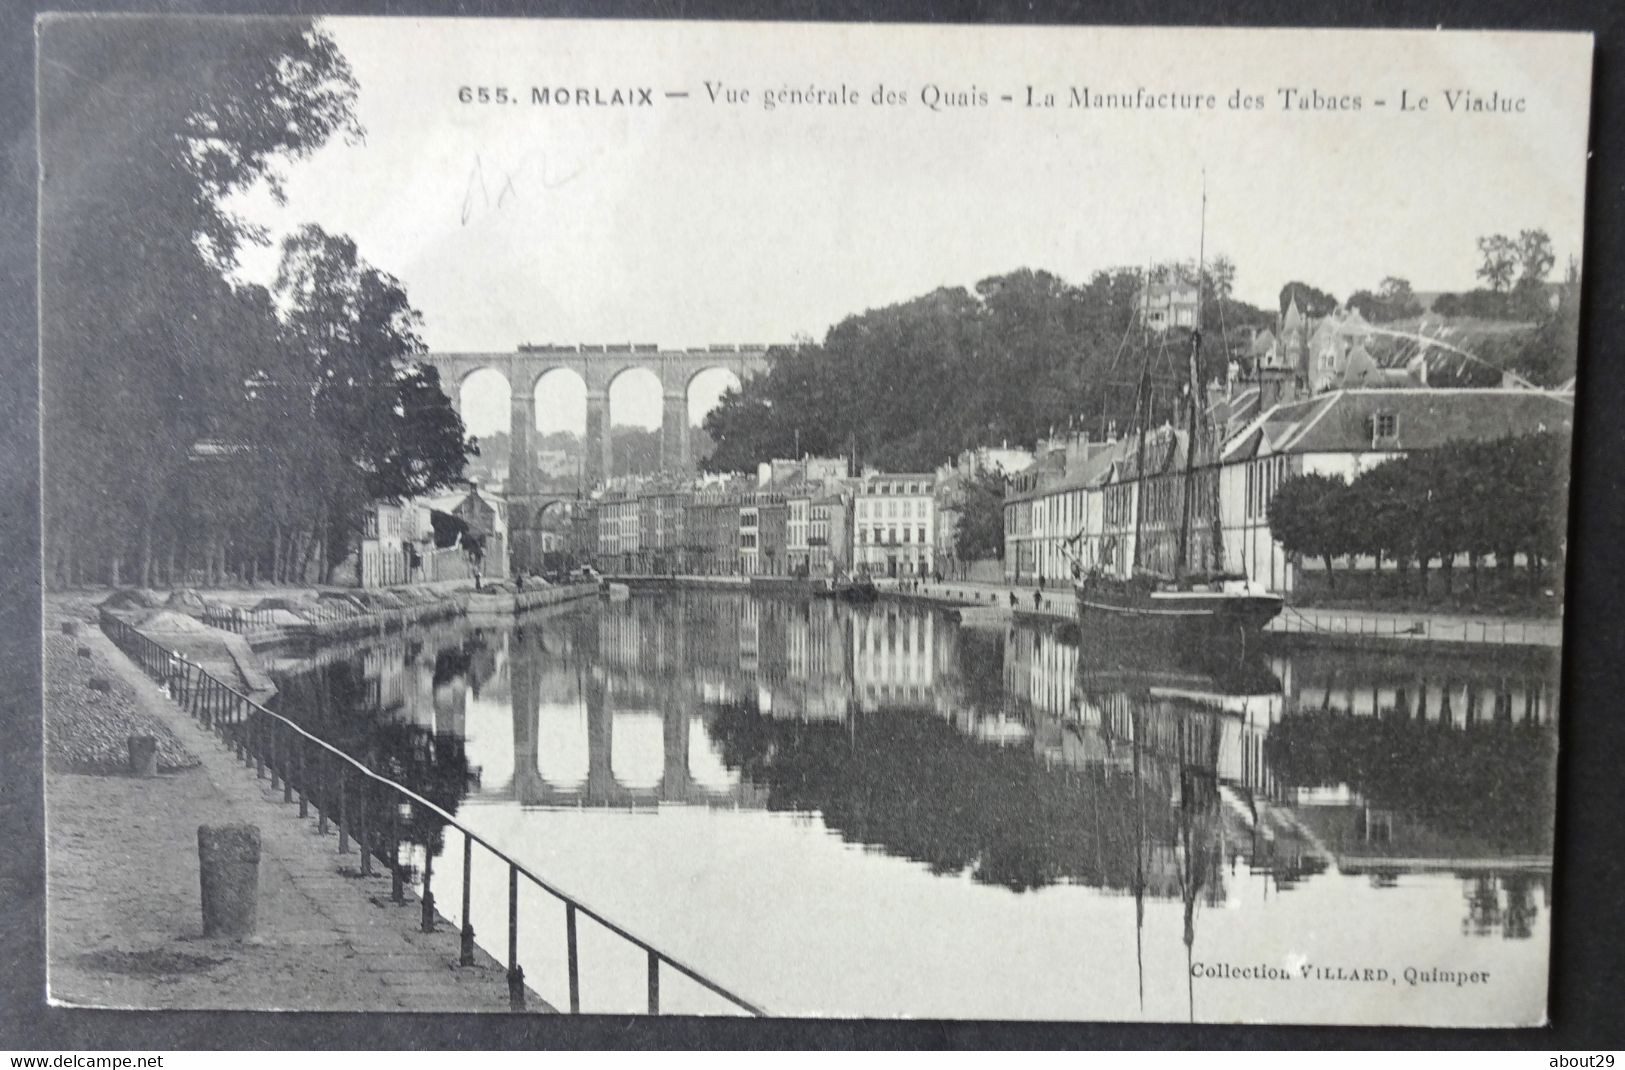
[
  {"x": 1387, "y": 424},
  {"x": 906, "y": 534},
  {"x": 922, "y": 534}
]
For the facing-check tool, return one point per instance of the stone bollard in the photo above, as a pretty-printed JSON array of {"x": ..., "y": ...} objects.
[
  {"x": 102, "y": 684},
  {"x": 70, "y": 628},
  {"x": 229, "y": 866},
  {"x": 143, "y": 755},
  {"x": 84, "y": 652}
]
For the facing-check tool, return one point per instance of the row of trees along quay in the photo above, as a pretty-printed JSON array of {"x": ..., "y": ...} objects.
[
  {"x": 196, "y": 423},
  {"x": 1461, "y": 501}
]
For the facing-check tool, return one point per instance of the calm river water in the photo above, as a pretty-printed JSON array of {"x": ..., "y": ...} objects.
[{"x": 874, "y": 811}]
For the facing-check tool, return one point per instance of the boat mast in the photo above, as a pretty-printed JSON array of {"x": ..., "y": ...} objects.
[
  {"x": 1195, "y": 361},
  {"x": 1142, "y": 416}
]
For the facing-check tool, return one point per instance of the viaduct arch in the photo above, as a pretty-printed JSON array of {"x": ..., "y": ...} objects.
[{"x": 598, "y": 365}]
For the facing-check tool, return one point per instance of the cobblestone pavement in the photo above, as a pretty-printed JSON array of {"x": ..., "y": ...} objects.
[{"x": 124, "y": 924}]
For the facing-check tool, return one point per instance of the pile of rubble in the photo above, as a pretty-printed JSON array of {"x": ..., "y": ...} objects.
[{"x": 90, "y": 713}]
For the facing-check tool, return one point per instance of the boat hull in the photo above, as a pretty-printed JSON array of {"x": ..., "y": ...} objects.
[{"x": 1136, "y": 613}]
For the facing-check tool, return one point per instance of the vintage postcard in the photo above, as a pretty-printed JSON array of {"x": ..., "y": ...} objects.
[{"x": 806, "y": 520}]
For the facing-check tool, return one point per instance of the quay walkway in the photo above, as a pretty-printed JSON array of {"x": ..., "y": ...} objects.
[
  {"x": 124, "y": 853},
  {"x": 125, "y": 928}
]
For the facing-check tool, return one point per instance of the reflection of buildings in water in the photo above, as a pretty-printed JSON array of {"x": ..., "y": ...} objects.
[
  {"x": 809, "y": 682},
  {"x": 1503, "y": 904},
  {"x": 1386, "y": 774},
  {"x": 424, "y": 679},
  {"x": 686, "y": 659},
  {"x": 893, "y": 658},
  {"x": 1462, "y": 692},
  {"x": 1041, "y": 669}
]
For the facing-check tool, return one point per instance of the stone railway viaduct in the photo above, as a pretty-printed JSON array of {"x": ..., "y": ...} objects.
[{"x": 598, "y": 366}]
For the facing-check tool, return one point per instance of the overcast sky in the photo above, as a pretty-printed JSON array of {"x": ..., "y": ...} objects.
[{"x": 688, "y": 223}]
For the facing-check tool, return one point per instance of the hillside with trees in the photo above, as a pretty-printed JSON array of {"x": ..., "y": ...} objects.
[{"x": 1016, "y": 358}]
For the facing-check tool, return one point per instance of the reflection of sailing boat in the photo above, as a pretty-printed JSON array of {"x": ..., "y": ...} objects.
[
  {"x": 1202, "y": 709},
  {"x": 1207, "y": 674},
  {"x": 1199, "y": 837},
  {"x": 1174, "y": 743}
]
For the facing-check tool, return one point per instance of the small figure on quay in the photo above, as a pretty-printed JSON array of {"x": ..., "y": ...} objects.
[{"x": 1038, "y": 599}]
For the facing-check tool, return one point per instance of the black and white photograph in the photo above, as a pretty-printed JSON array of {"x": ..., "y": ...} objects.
[{"x": 549, "y": 516}]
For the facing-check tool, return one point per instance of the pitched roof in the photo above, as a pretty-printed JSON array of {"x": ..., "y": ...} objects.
[
  {"x": 1339, "y": 421},
  {"x": 1293, "y": 319}
]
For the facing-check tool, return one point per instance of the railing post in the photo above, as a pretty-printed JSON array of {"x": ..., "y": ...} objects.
[
  {"x": 304, "y": 776},
  {"x": 654, "y": 982},
  {"x": 361, "y": 840},
  {"x": 466, "y": 957},
  {"x": 428, "y": 887},
  {"x": 285, "y": 761},
  {"x": 397, "y": 893},
  {"x": 570, "y": 954},
  {"x": 323, "y": 765},
  {"x": 516, "y": 976},
  {"x": 344, "y": 827},
  {"x": 273, "y": 760}
]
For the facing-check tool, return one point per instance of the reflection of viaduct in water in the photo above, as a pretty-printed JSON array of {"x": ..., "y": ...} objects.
[{"x": 601, "y": 787}]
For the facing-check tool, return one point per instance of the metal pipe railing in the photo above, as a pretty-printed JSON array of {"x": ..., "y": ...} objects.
[{"x": 361, "y": 800}]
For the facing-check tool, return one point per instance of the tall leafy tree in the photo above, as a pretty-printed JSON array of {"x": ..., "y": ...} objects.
[
  {"x": 147, "y": 124},
  {"x": 979, "y": 532},
  {"x": 1393, "y": 300},
  {"x": 377, "y": 424},
  {"x": 1308, "y": 515},
  {"x": 1499, "y": 261}
]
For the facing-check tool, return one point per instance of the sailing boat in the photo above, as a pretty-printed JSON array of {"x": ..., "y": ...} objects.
[{"x": 1191, "y": 598}]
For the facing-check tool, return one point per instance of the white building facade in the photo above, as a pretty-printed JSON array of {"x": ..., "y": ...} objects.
[{"x": 894, "y": 524}]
